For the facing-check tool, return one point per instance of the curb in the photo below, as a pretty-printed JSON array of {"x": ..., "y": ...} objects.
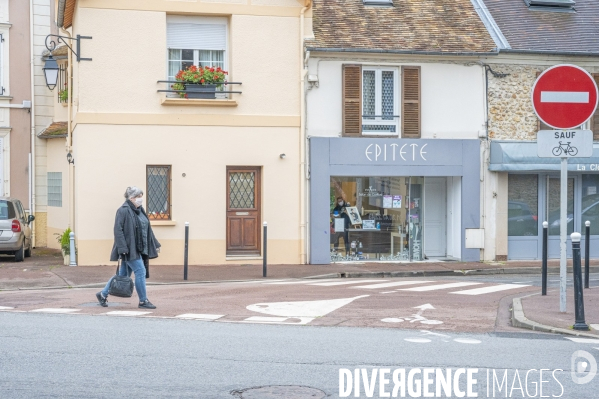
[{"x": 520, "y": 320}]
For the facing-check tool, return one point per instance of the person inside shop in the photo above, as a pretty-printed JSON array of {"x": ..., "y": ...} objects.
[{"x": 341, "y": 212}]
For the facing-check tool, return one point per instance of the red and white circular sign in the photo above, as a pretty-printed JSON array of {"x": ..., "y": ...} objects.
[{"x": 564, "y": 96}]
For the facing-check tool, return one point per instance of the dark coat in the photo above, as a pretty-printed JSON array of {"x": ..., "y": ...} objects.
[{"x": 124, "y": 235}]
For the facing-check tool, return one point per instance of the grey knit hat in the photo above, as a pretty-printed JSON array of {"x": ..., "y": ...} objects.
[{"x": 133, "y": 192}]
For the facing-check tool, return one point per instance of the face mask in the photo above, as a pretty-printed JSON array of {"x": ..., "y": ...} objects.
[
  {"x": 340, "y": 202},
  {"x": 139, "y": 201}
]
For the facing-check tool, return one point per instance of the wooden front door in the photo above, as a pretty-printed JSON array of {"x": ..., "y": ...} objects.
[{"x": 243, "y": 210}]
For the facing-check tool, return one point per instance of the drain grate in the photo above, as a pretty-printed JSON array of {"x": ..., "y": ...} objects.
[{"x": 279, "y": 391}]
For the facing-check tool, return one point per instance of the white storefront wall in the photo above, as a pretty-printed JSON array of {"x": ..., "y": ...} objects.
[{"x": 452, "y": 98}]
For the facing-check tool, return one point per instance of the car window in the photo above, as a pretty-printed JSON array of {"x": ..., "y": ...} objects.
[
  {"x": 514, "y": 210},
  {"x": 20, "y": 210},
  {"x": 7, "y": 210}
]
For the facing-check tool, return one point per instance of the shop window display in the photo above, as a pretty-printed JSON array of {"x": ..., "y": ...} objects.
[{"x": 377, "y": 218}]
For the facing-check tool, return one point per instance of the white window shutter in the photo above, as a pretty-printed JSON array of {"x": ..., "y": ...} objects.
[{"x": 196, "y": 36}]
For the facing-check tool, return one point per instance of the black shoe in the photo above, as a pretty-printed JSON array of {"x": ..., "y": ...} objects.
[
  {"x": 146, "y": 305},
  {"x": 101, "y": 299}
]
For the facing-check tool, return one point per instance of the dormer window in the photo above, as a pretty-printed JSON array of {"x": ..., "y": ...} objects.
[
  {"x": 378, "y": 2},
  {"x": 551, "y": 5}
]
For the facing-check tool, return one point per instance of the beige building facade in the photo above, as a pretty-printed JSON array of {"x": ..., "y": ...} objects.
[{"x": 225, "y": 165}]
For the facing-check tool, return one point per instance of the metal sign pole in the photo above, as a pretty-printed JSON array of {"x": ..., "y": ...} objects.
[{"x": 563, "y": 228}]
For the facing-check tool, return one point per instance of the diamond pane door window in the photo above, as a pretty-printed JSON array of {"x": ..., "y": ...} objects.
[
  {"x": 243, "y": 211},
  {"x": 158, "y": 197}
]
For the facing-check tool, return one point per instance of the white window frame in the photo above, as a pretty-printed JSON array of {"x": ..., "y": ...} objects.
[
  {"x": 196, "y": 51},
  {"x": 378, "y": 104}
]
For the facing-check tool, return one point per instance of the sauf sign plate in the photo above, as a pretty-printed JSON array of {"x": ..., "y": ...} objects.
[{"x": 565, "y": 143}]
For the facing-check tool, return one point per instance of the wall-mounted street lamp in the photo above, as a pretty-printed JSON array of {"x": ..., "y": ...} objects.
[
  {"x": 70, "y": 158},
  {"x": 51, "y": 66}
]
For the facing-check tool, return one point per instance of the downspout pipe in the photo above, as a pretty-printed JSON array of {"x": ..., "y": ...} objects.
[
  {"x": 303, "y": 70},
  {"x": 32, "y": 170},
  {"x": 69, "y": 143}
]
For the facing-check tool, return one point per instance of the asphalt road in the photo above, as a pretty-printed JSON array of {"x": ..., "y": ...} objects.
[{"x": 83, "y": 356}]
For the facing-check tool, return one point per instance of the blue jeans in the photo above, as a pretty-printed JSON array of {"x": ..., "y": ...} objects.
[{"x": 137, "y": 267}]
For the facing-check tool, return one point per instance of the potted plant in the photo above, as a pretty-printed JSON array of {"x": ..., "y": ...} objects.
[
  {"x": 64, "y": 240},
  {"x": 63, "y": 95},
  {"x": 199, "y": 82}
]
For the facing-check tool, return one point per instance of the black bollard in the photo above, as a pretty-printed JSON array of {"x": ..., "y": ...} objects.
[
  {"x": 579, "y": 323},
  {"x": 587, "y": 252},
  {"x": 544, "y": 267},
  {"x": 264, "y": 253},
  {"x": 186, "y": 250}
]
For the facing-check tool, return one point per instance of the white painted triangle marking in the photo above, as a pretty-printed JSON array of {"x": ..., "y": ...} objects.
[
  {"x": 347, "y": 282},
  {"x": 583, "y": 340},
  {"x": 424, "y": 307},
  {"x": 492, "y": 288},
  {"x": 127, "y": 313},
  {"x": 302, "y": 308},
  {"x": 393, "y": 284},
  {"x": 199, "y": 316},
  {"x": 438, "y": 287},
  {"x": 278, "y": 320},
  {"x": 594, "y": 326},
  {"x": 55, "y": 310}
]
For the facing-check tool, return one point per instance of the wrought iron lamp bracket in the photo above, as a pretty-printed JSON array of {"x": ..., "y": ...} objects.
[{"x": 53, "y": 40}]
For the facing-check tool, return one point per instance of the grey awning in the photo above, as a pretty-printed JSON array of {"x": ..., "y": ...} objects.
[{"x": 511, "y": 156}]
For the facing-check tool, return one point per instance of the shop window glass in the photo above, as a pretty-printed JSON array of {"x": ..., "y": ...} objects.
[
  {"x": 377, "y": 218},
  {"x": 590, "y": 202},
  {"x": 553, "y": 206},
  {"x": 523, "y": 197}
]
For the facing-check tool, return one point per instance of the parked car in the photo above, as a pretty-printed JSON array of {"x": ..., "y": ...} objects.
[
  {"x": 15, "y": 229},
  {"x": 590, "y": 212},
  {"x": 521, "y": 221}
]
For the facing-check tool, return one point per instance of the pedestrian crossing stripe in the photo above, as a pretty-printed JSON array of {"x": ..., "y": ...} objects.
[
  {"x": 56, "y": 310},
  {"x": 438, "y": 287},
  {"x": 487, "y": 290},
  {"x": 6, "y": 308},
  {"x": 394, "y": 284},
  {"x": 199, "y": 316},
  {"x": 298, "y": 282},
  {"x": 127, "y": 313},
  {"x": 346, "y": 282}
]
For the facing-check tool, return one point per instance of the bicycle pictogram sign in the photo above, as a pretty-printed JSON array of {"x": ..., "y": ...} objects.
[{"x": 565, "y": 149}]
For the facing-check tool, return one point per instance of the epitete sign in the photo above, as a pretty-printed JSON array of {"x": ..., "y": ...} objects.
[{"x": 565, "y": 143}]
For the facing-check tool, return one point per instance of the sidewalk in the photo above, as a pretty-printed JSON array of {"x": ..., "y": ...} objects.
[
  {"x": 45, "y": 270},
  {"x": 541, "y": 313}
]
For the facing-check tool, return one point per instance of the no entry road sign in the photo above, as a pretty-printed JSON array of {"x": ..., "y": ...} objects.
[{"x": 564, "y": 96}]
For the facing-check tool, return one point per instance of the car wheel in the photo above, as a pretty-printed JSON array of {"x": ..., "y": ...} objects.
[
  {"x": 20, "y": 254},
  {"x": 28, "y": 252}
]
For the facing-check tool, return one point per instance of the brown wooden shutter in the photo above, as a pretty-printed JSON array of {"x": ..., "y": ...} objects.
[
  {"x": 595, "y": 118},
  {"x": 352, "y": 100},
  {"x": 410, "y": 104}
]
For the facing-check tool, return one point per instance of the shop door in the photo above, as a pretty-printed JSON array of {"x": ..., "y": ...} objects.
[
  {"x": 243, "y": 210},
  {"x": 435, "y": 218}
]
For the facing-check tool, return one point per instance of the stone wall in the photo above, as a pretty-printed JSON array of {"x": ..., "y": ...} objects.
[{"x": 511, "y": 116}]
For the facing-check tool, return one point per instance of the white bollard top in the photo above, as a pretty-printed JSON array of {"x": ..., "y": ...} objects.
[
  {"x": 545, "y": 225},
  {"x": 264, "y": 223},
  {"x": 186, "y": 223},
  {"x": 71, "y": 234},
  {"x": 575, "y": 237},
  {"x": 587, "y": 223}
]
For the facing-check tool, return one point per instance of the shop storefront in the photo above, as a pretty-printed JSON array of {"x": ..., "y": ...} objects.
[
  {"x": 393, "y": 199},
  {"x": 534, "y": 196}
]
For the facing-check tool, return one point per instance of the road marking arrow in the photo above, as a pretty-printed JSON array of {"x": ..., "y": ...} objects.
[{"x": 423, "y": 308}]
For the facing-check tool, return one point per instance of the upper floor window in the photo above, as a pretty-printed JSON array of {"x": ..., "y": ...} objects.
[
  {"x": 379, "y": 104},
  {"x": 199, "y": 41},
  {"x": 381, "y": 101}
]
